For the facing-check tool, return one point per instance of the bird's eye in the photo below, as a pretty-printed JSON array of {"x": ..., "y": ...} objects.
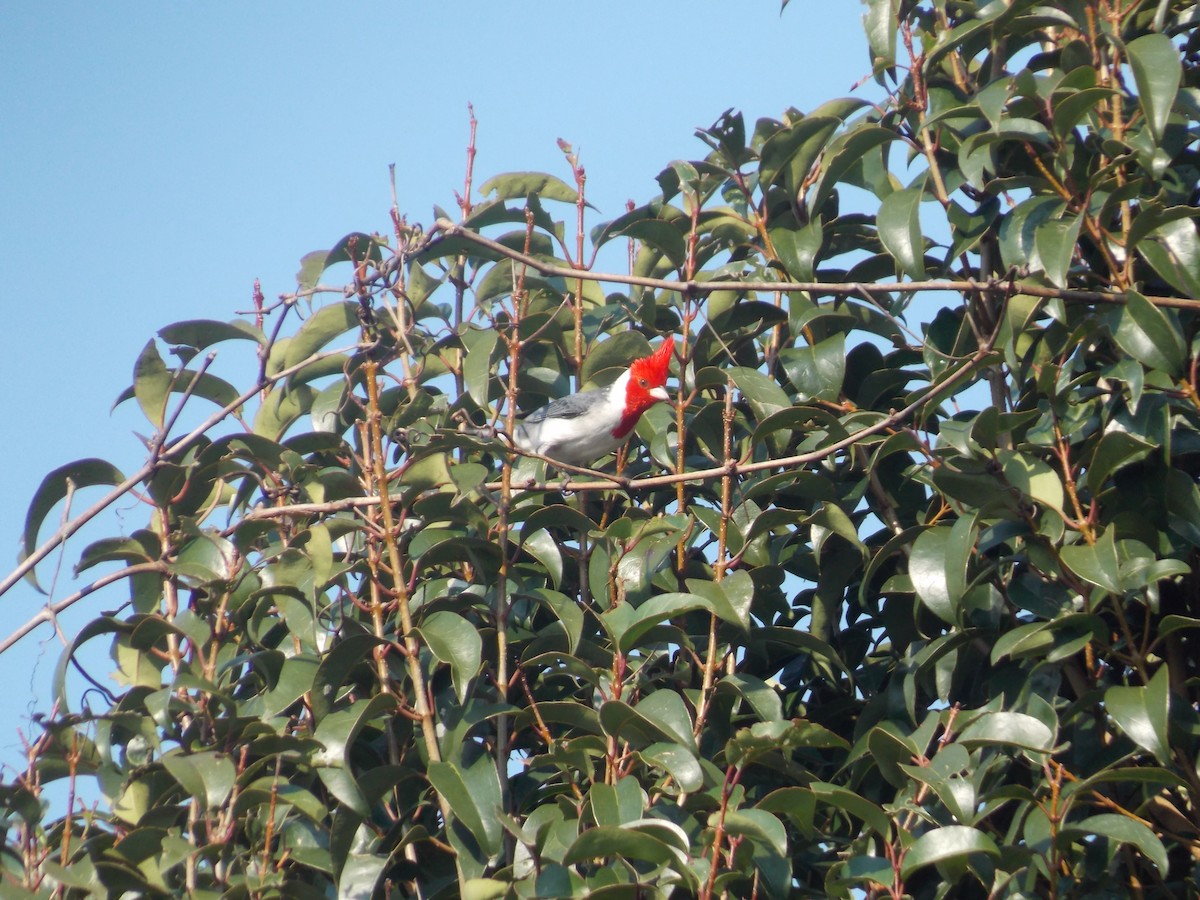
[{"x": 643, "y": 382}]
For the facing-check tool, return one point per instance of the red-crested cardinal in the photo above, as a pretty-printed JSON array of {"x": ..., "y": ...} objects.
[{"x": 581, "y": 428}]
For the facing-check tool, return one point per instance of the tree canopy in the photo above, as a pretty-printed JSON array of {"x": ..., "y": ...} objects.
[{"x": 898, "y": 595}]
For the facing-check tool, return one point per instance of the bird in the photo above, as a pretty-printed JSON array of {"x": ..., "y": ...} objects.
[{"x": 580, "y": 428}]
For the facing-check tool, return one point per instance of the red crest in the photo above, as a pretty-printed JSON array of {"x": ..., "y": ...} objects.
[{"x": 655, "y": 366}]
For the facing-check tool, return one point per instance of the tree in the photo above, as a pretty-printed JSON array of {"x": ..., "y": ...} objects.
[{"x": 893, "y": 598}]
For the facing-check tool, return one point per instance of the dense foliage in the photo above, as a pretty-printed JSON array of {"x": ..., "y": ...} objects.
[{"x": 898, "y": 596}]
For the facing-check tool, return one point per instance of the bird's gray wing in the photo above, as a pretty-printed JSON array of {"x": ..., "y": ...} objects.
[{"x": 571, "y": 406}]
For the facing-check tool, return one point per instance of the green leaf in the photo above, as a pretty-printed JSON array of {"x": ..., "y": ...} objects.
[
  {"x": 54, "y": 487},
  {"x": 1142, "y": 712},
  {"x": 817, "y": 372},
  {"x": 355, "y": 247},
  {"x": 764, "y": 394},
  {"x": 1010, "y": 729},
  {"x": 880, "y": 24},
  {"x": 1096, "y": 563},
  {"x": 1173, "y": 251},
  {"x": 151, "y": 384},
  {"x": 1033, "y": 477},
  {"x": 1115, "y": 450},
  {"x": 619, "y": 719},
  {"x": 616, "y": 804},
  {"x": 337, "y": 733},
  {"x": 474, "y": 798},
  {"x": 1122, "y": 830},
  {"x": 453, "y": 640},
  {"x": 667, "y": 711},
  {"x": 659, "y": 235},
  {"x": 797, "y": 249},
  {"x": 678, "y": 761},
  {"x": 205, "y": 556},
  {"x": 483, "y": 889},
  {"x": 1018, "y": 230},
  {"x": 899, "y": 224},
  {"x": 360, "y": 875},
  {"x": 950, "y": 842},
  {"x": 325, "y": 324},
  {"x": 859, "y": 807},
  {"x": 519, "y": 185},
  {"x": 1074, "y": 106},
  {"x": 730, "y": 599},
  {"x": 1150, "y": 335},
  {"x": 142, "y": 547},
  {"x": 1056, "y": 243},
  {"x": 615, "y": 353},
  {"x": 757, "y": 693},
  {"x": 937, "y": 565},
  {"x": 335, "y": 667},
  {"x": 477, "y": 365},
  {"x": 207, "y": 386},
  {"x": 792, "y": 150},
  {"x": 627, "y": 624},
  {"x": 847, "y": 153},
  {"x": 1157, "y": 70},
  {"x": 610, "y": 842},
  {"x": 1153, "y": 218},
  {"x": 202, "y": 333},
  {"x": 756, "y": 824},
  {"x": 970, "y": 227},
  {"x": 544, "y": 547},
  {"x": 207, "y": 776},
  {"x": 296, "y": 679}
]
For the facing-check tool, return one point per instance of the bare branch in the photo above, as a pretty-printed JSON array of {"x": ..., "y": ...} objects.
[
  {"x": 50, "y": 610},
  {"x": 178, "y": 447},
  {"x": 692, "y": 287}
]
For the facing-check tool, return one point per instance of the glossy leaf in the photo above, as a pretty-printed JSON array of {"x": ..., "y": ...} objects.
[
  {"x": 679, "y": 762},
  {"x": 1008, "y": 728},
  {"x": 477, "y": 365},
  {"x": 610, "y": 842},
  {"x": 817, "y": 372},
  {"x": 326, "y": 324},
  {"x": 206, "y": 776},
  {"x": 474, "y": 808},
  {"x": 1157, "y": 73},
  {"x": 151, "y": 384},
  {"x": 900, "y": 230},
  {"x": 937, "y": 565},
  {"x": 848, "y": 153},
  {"x": 793, "y": 150},
  {"x": 1148, "y": 334},
  {"x": 1141, "y": 713},
  {"x": 1123, "y": 830},
  {"x": 951, "y": 842},
  {"x": 519, "y": 185},
  {"x": 1095, "y": 563},
  {"x": 453, "y": 640},
  {"x": 57, "y": 485}
]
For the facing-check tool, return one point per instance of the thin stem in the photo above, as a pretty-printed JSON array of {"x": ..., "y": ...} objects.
[
  {"x": 412, "y": 648},
  {"x": 447, "y": 229},
  {"x": 178, "y": 447}
]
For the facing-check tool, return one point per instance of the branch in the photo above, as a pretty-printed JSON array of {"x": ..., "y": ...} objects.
[
  {"x": 603, "y": 482},
  {"x": 303, "y": 509},
  {"x": 692, "y": 287},
  {"x": 178, "y": 447},
  {"x": 734, "y": 468},
  {"x": 50, "y": 610}
]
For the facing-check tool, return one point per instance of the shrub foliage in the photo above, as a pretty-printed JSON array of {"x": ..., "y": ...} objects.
[{"x": 898, "y": 595}]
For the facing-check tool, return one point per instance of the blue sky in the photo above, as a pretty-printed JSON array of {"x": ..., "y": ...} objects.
[{"x": 158, "y": 157}]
